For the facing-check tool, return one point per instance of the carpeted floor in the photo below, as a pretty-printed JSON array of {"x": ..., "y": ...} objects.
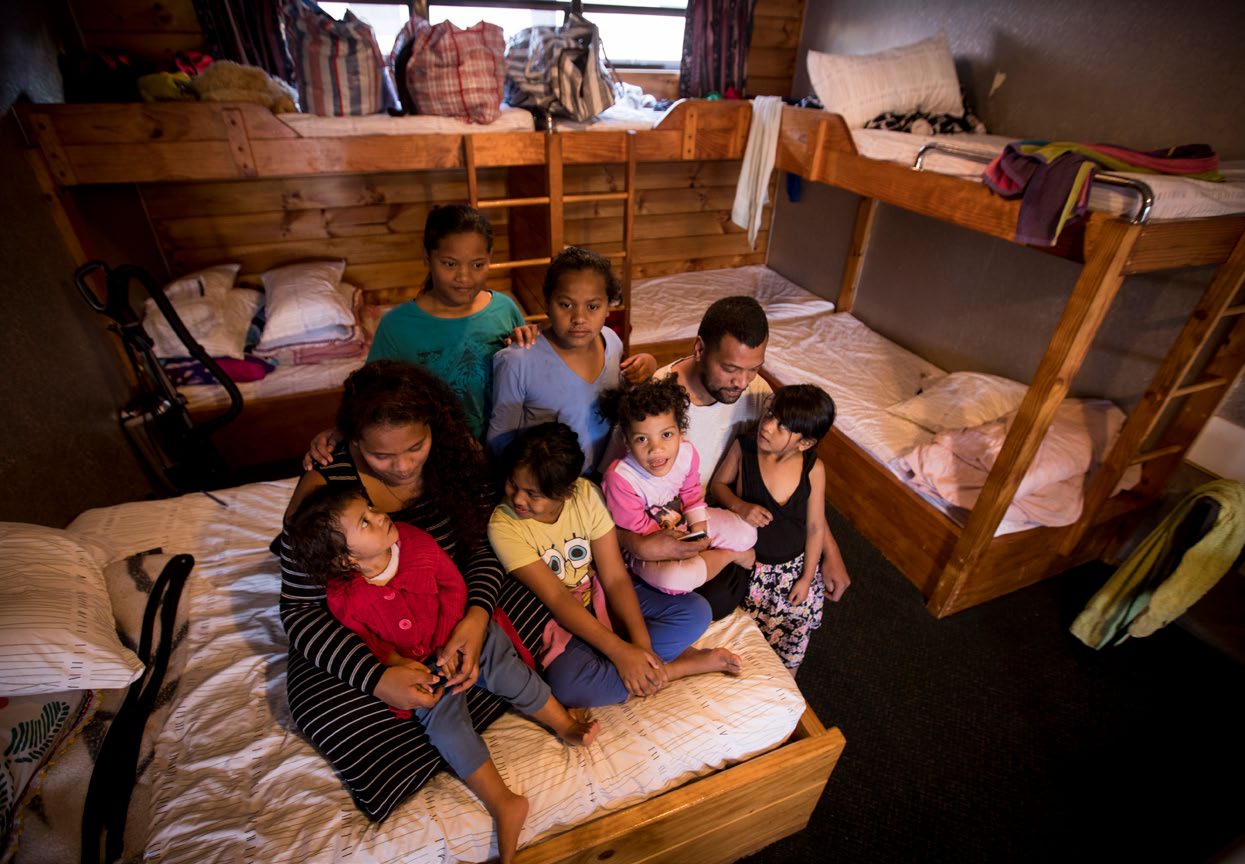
[{"x": 995, "y": 736}]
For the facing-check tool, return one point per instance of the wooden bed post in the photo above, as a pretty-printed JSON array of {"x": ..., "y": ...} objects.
[
  {"x": 1095, "y": 289},
  {"x": 862, "y": 228},
  {"x": 1213, "y": 307},
  {"x": 557, "y": 207},
  {"x": 628, "y": 238}
]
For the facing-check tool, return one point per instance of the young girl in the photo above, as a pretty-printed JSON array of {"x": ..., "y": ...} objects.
[
  {"x": 656, "y": 487},
  {"x": 773, "y": 479},
  {"x": 610, "y": 636},
  {"x": 400, "y": 592},
  {"x": 573, "y": 361}
]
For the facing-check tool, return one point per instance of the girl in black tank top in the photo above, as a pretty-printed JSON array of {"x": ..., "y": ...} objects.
[{"x": 772, "y": 478}]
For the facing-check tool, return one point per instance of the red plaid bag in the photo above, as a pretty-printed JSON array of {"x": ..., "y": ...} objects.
[{"x": 458, "y": 73}]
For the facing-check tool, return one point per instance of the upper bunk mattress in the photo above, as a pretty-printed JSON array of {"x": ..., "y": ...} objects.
[
  {"x": 1174, "y": 197},
  {"x": 232, "y": 780},
  {"x": 670, "y": 307},
  {"x": 317, "y": 126}
]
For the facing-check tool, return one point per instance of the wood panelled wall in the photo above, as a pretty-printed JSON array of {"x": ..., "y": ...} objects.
[{"x": 776, "y": 28}]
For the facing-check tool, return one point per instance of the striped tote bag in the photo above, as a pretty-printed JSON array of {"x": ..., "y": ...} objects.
[
  {"x": 456, "y": 72},
  {"x": 338, "y": 65}
]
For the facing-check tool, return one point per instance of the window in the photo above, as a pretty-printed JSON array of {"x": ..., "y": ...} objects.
[{"x": 634, "y": 33}]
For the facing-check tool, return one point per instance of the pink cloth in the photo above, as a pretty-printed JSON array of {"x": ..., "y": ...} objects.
[
  {"x": 726, "y": 531},
  {"x": 553, "y": 641},
  {"x": 643, "y": 504}
]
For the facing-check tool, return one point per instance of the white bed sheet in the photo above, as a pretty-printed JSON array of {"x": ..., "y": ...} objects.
[
  {"x": 615, "y": 117},
  {"x": 317, "y": 126},
  {"x": 670, "y": 307},
  {"x": 1174, "y": 197},
  {"x": 865, "y": 373},
  {"x": 232, "y": 780},
  {"x": 282, "y": 381}
]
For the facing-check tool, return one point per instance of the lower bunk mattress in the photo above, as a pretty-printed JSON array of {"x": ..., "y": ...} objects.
[{"x": 225, "y": 776}]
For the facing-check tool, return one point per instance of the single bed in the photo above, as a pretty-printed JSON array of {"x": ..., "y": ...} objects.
[{"x": 711, "y": 769}]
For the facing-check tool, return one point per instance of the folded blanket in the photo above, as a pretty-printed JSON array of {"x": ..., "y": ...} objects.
[{"x": 1054, "y": 177}]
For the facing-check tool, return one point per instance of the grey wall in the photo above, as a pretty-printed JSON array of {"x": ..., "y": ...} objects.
[
  {"x": 61, "y": 450},
  {"x": 1144, "y": 74}
]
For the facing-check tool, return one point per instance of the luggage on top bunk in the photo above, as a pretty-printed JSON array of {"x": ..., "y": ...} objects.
[{"x": 559, "y": 71}]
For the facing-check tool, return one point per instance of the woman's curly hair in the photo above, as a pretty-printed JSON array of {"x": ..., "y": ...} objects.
[
  {"x": 624, "y": 406},
  {"x": 317, "y": 541},
  {"x": 397, "y": 393}
]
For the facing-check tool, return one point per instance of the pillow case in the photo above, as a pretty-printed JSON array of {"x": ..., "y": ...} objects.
[
  {"x": 338, "y": 64},
  {"x": 327, "y": 343},
  {"x": 219, "y": 322},
  {"x": 302, "y": 303},
  {"x": 917, "y": 77},
  {"x": 960, "y": 400},
  {"x": 57, "y": 630}
]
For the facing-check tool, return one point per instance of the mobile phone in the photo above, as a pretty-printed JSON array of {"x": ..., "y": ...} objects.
[{"x": 693, "y": 536}]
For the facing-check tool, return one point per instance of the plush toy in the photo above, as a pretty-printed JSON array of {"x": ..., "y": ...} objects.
[{"x": 227, "y": 81}]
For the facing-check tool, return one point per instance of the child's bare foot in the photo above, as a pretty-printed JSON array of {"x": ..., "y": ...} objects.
[
  {"x": 510, "y": 813},
  {"x": 696, "y": 661},
  {"x": 581, "y": 733}
]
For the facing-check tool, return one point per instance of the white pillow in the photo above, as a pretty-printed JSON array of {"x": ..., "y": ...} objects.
[
  {"x": 917, "y": 77},
  {"x": 219, "y": 322},
  {"x": 208, "y": 282},
  {"x": 57, "y": 630},
  {"x": 961, "y": 400},
  {"x": 303, "y": 299}
]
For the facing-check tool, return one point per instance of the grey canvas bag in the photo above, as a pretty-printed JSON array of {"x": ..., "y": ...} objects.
[{"x": 559, "y": 71}]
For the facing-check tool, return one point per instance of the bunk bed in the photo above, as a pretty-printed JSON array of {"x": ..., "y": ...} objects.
[
  {"x": 959, "y": 565},
  {"x": 119, "y": 177}
]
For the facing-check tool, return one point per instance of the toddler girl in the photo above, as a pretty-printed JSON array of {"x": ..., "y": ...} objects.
[
  {"x": 609, "y": 636},
  {"x": 574, "y": 360},
  {"x": 656, "y": 487},
  {"x": 398, "y": 590},
  {"x": 773, "y": 479}
]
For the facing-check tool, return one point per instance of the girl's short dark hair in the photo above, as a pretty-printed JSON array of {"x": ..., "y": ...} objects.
[
  {"x": 397, "y": 393},
  {"x": 551, "y": 453},
  {"x": 574, "y": 259},
  {"x": 624, "y": 406},
  {"x": 317, "y": 541},
  {"x": 804, "y": 409},
  {"x": 446, "y": 219}
]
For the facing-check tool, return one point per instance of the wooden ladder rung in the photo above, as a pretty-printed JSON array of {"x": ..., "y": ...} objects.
[
  {"x": 1157, "y": 454},
  {"x": 621, "y": 253},
  {"x": 1199, "y": 386},
  {"x": 596, "y": 196},
  {"x": 1233, "y": 310},
  {"x": 513, "y": 202},
  {"x": 522, "y": 262}
]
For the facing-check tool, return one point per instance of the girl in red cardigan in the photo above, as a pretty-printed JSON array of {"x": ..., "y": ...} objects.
[{"x": 397, "y": 589}]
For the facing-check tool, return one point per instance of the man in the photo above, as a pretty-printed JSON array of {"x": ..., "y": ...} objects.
[{"x": 727, "y": 396}]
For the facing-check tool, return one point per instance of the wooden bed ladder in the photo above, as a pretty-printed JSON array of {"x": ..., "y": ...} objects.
[
  {"x": 556, "y": 199},
  {"x": 1217, "y": 323}
]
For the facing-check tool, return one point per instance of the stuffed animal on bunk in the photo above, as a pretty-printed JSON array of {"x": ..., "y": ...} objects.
[{"x": 227, "y": 81}]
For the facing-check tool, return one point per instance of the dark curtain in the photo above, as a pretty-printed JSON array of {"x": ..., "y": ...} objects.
[
  {"x": 716, "y": 37},
  {"x": 246, "y": 31}
]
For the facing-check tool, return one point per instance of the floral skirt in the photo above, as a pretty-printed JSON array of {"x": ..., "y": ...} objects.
[{"x": 786, "y": 626}]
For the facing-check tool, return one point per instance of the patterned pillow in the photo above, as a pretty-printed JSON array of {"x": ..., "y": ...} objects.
[
  {"x": 33, "y": 730},
  {"x": 338, "y": 64}
]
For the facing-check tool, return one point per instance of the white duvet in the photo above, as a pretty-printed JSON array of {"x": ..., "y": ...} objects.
[{"x": 231, "y": 779}]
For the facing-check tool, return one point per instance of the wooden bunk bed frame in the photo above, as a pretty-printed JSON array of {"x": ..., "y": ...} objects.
[
  {"x": 77, "y": 147},
  {"x": 956, "y": 566},
  {"x": 718, "y": 818}
]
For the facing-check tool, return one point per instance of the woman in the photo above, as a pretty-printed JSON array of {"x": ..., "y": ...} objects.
[{"x": 407, "y": 445}]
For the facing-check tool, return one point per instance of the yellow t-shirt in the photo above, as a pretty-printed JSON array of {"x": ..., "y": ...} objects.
[{"x": 565, "y": 546}]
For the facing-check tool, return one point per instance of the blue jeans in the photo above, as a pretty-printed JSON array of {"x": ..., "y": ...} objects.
[
  {"x": 582, "y": 677},
  {"x": 501, "y": 672}
]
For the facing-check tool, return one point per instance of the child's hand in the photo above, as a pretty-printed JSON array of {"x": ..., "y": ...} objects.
[
  {"x": 459, "y": 657},
  {"x": 799, "y": 591},
  {"x": 408, "y": 685},
  {"x": 638, "y": 367},
  {"x": 754, "y": 514},
  {"x": 835, "y": 574},
  {"x": 641, "y": 671},
  {"x": 321, "y": 450},
  {"x": 524, "y": 335}
]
